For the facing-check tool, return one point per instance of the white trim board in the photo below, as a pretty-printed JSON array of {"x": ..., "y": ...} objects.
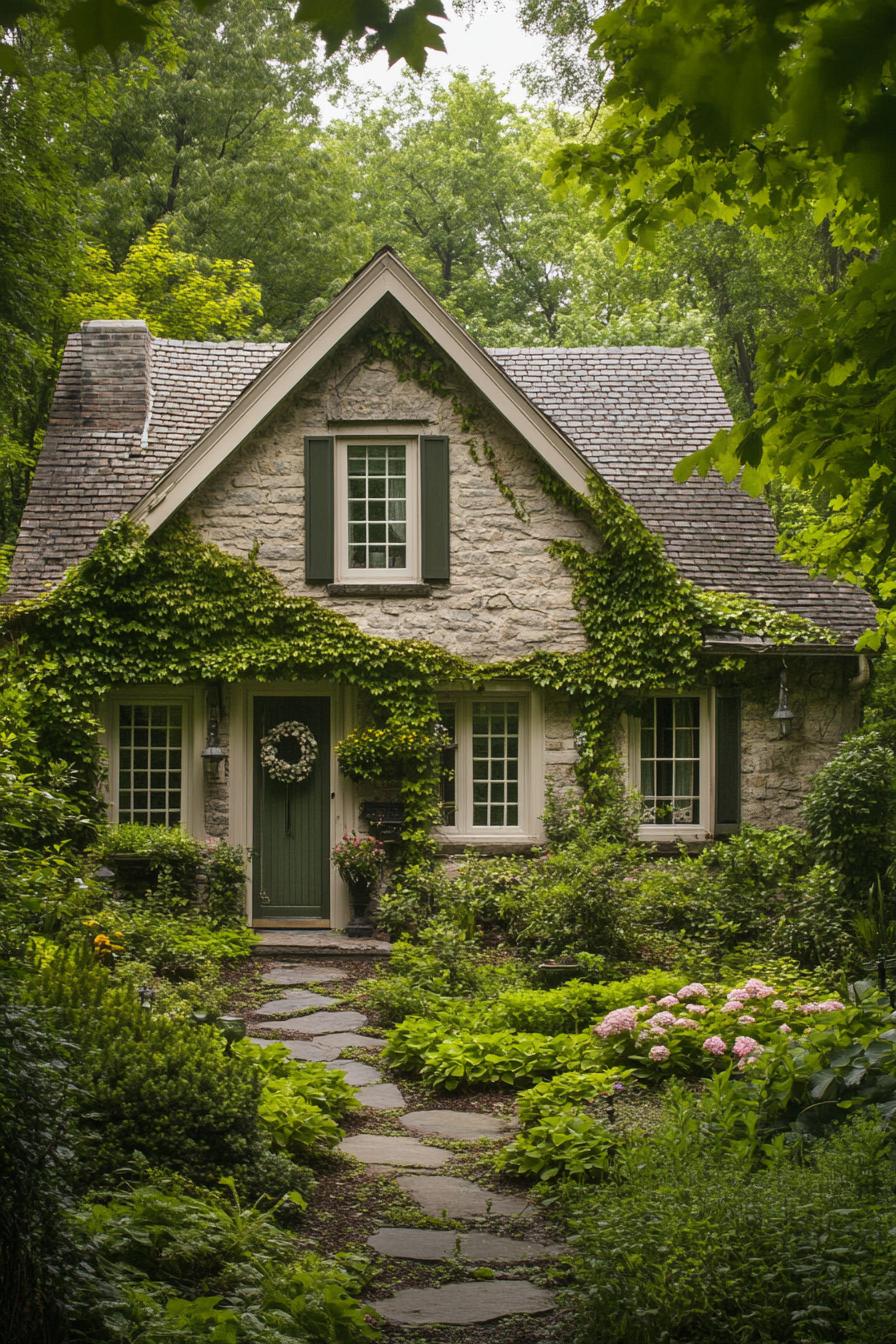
[{"x": 384, "y": 276}]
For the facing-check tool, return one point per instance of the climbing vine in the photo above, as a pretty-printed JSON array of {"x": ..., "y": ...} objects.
[{"x": 174, "y": 609}]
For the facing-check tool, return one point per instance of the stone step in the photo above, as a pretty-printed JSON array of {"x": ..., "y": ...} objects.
[
  {"x": 295, "y": 1001},
  {"x": 455, "y": 1197},
  {"x": 381, "y": 1097},
  {"x": 344, "y": 1039},
  {"x": 418, "y": 1243},
  {"x": 287, "y": 943},
  {"x": 358, "y": 1075},
  {"x": 302, "y": 1050},
  {"x": 303, "y": 973},
  {"x": 465, "y": 1303},
  {"x": 318, "y": 1024},
  {"x": 384, "y": 1150},
  {"x": 458, "y": 1124}
]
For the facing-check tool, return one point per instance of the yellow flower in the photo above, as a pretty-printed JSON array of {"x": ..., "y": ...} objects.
[
  {"x": 102, "y": 940},
  {"x": 90, "y": 923}
]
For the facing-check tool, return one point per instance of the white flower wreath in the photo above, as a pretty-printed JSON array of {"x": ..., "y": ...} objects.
[{"x": 289, "y": 772}]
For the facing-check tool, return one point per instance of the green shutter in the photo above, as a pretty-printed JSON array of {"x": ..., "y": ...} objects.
[
  {"x": 435, "y": 541},
  {"x": 727, "y": 761},
  {"x": 319, "y": 510}
]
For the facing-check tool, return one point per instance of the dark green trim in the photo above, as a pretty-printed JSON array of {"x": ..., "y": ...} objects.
[
  {"x": 435, "y": 522},
  {"x": 319, "y": 524},
  {"x": 728, "y": 763}
]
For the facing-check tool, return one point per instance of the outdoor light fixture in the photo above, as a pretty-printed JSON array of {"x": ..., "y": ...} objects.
[
  {"x": 232, "y": 1027},
  {"x": 783, "y": 715},
  {"x": 213, "y": 753},
  {"x": 146, "y": 994},
  {"x": 104, "y": 874}
]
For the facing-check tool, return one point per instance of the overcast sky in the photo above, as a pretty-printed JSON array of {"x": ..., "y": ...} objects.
[{"x": 493, "y": 41}]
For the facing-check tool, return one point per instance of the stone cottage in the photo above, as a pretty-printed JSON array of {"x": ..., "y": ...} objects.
[{"x": 360, "y": 489}]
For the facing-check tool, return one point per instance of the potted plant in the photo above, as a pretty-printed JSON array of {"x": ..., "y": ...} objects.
[{"x": 360, "y": 860}]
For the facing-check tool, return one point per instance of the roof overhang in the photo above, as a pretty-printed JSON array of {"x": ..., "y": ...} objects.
[{"x": 385, "y": 276}]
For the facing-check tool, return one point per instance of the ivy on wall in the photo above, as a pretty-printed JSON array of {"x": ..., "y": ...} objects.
[{"x": 175, "y": 609}]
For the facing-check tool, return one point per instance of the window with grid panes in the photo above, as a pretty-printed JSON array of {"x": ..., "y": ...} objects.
[
  {"x": 377, "y": 506},
  {"x": 495, "y": 741},
  {"x": 670, "y": 761},
  {"x": 150, "y": 763},
  {"x": 447, "y": 768}
]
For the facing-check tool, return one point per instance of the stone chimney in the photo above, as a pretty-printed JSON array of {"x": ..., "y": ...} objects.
[{"x": 116, "y": 370}]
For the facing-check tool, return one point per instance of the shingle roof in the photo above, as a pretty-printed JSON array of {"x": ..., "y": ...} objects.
[{"x": 632, "y": 412}]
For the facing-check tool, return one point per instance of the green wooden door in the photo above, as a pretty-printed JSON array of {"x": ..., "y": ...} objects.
[{"x": 291, "y": 822}]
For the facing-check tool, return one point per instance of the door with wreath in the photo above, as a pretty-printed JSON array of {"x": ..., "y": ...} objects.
[{"x": 291, "y": 809}]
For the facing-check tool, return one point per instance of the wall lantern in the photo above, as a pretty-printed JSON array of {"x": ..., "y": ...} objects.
[
  {"x": 213, "y": 753},
  {"x": 783, "y": 715}
]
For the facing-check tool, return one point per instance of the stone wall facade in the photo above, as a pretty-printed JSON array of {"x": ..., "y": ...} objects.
[
  {"x": 775, "y": 770},
  {"x": 507, "y": 596}
]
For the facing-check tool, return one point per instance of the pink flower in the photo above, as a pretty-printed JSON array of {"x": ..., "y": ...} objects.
[
  {"x": 661, "y": 1020},
  {"x": 715, "y": 1045},
  {"x": 694, "y": 991},
  {"x": 698, "y": 1008},
  {"x": 758, "y": 989},
  {"x": 645, "y": 1008},
  {"x": 670, "y": 1001},
  {"x": 732, "y": 1006},
  {"x": 746, "y": 1018},
  {"x": 658, "y": 1053},
  {"x": 739, "y": 994},
  {"x": 826, "y": 1006},
  {"x": 616, "y": 1022},
  {"x": 686, "y": 1022},
  {"x": 784, "y": 1027},
  {"x": 745, "y": 1045},
  {"x": 780, "y": 1005}
]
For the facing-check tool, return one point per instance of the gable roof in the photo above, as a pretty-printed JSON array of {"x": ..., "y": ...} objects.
[{"x": 629, "y": 413}]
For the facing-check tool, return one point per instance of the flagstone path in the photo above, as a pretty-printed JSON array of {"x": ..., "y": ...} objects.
[{"x": 414, "y": 1160}]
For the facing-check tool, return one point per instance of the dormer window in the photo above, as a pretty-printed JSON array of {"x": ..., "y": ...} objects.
[{"x": 377, "y": 511}]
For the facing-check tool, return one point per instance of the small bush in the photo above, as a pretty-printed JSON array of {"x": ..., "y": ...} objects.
[
  {"x": 560, "y": 1145},
  {"x": 177, "y": 873},
  {"x": 693, "y": 1248},
  {"x": 299, "y": 1103},
  {"x": 851, "y": 811}
]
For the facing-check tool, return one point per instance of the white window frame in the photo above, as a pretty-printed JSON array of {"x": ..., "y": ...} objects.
[
  {"x": 412, "y": 570},
  {"x": 665, "y": 831},
  {"x": 530, "y": 793},
  {"x": 191, "y": 702}
]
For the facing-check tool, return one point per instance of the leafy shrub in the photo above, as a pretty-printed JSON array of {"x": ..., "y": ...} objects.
[
  {"x": 178, "y": 872},
  {"x": 560, "y": 1144},
  {"x": 161, "y": 1089},
  {"x": 483, "y": 1059},
  {"x": 569, "y": 1089},
  {"x": 168, "y": 1266},
  {"x": 693, "y": 1247},
  {"x": 851, "y": 810},
  {"x": 818, "y": 927},
  {"x": 173, "y": 946},
  {"x": 299, "y": 1103}
]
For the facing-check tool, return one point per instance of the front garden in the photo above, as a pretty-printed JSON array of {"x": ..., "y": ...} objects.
[{"x": 704, "y": 1104}]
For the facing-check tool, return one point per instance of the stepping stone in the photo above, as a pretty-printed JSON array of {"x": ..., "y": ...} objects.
[
  {"x": 344, "y": 1039},
  {"x": 318, "y": 1024},
  {"x": 387, "y": 1151},
  {"x": 454, "y": 1197},
  {"x": 303, "y": 973},
  {"x": 418, "y": 1243},
  {"x": 295, "y": 1002},
  {"x": 381, "y": 1097},
  {"x": 458, "y": 1124},
  {"x": 465, "y": 1303},
  {"x": 359, "y": 1075},
  {"x": 301, "y": 1050}
]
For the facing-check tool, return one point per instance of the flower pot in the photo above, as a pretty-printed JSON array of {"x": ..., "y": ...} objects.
[
  {"x": 553, "y": 973},
  {"x": 361, "y": 925}
]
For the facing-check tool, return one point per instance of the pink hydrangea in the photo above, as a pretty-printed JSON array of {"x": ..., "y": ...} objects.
[
  {"x": 698, "y": 1008},
  {"x": 670, "y": 1001},
  {"x": 758, "y": 989},
  {"x": 694, "y": 991},
  {"x": 616, "y": 1022},
  {"x": 738, "y": 994},
  {"x": 661, "y": 1020},
  {"x": 826, "y": 1006},
  {"x": 658, "y": 1053},
  {"x": 645, "y": 1008},
  {"x": 732, "y": 1006},
  {"x": 745, "y": 1045},
  {"x": 714, "y": 1045},
  {"x": 784, "y": 1027},
  {"x": 687, "y": 1022},
  {"x": 745, "y": 1018},
  {"x": 780, "y": 1005}
]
